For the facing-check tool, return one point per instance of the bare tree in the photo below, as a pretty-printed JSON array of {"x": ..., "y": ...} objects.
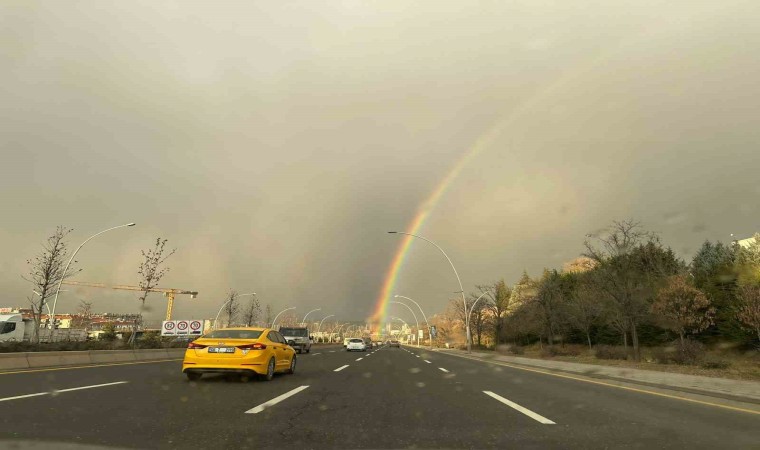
[
  {"x": 682, "y": 307},
  {"x": 232, "y": 307},
  {"x": 46, "y": 271},
  {"x": 500, "y": 300},
  {"x": 84, "y": 315},
  {"x": 151, "y": 271},
  {"x": 252, "y": 312},
  {"x": 584, "y": 307},
  {"x": 269, "y": 315},
  {"x": 630, "y": 262}
]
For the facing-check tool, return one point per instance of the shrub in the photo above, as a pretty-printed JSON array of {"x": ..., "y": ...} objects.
[
  {"x": 516, "y": 350},
  {"x": 553, "y": 350},
  {"x": 688, "y": 353},
  {"x": 716, "y": 364},
  {"x": 611, "y": 352}
]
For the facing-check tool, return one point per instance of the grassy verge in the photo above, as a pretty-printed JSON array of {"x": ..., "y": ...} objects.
[{"x": 715, "y": 362}]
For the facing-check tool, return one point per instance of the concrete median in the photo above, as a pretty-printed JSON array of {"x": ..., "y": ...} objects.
[
  {"x": 27, "y": 360},
  {"x": 51, "y": 359},
  {"x": 9, "y": 361}
]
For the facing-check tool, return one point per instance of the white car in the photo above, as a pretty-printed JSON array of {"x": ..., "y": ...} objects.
[{"x": 356, "y": 344}]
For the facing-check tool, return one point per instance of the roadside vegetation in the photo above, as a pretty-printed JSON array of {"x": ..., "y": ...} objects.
[
  {"x": 627, "y": 300},
  {"x": 107, "y": 341}
]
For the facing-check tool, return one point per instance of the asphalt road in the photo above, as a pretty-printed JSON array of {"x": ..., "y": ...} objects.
[{"x": 390, "y": 398}]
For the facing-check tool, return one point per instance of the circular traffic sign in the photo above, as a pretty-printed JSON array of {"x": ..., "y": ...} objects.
[
  {"x": 182, "y": 325},
  {"x": 169, "y": 325},
  {"x": 195, "y": 325}
]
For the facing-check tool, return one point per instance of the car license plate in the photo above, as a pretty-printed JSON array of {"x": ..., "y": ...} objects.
[{"x": 221, "y": 349}]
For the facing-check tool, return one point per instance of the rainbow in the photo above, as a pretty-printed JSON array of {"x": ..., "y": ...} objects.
[{"x": 378, "y": 316}]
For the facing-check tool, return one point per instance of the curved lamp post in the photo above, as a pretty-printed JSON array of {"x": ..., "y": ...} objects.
[
  {"x": 461, "y": 289},
  {"x": 65, "y": 271},
  {"x": 415, "y": 317},
  {"x": 278, "y": 315},
  {"x": 430, "y": 335},
  {"x": 225, "y": 304},
  {"x": 307, "y": 314},
  {"x": 473, "y": 307}
]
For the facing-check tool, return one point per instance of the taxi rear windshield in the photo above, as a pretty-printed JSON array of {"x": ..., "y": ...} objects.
[
  {"x": 234, "y": 334},
  {"x": 303, "y": 332}
]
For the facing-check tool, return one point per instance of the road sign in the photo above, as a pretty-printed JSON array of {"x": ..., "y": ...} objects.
[
  {"x": 195, "y": 327},
  {"x": 168, "y": 328},
  {"x": 183, "y": 327},
  {"x": 433, "y": 331},
  {"x": 421, "y": 334}
]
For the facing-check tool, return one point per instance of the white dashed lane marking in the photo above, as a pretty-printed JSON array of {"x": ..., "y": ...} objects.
[
  {"x": 443, "y": 370},
  {"x": 340, "y": 368},
  {"x": 526, "y": 411},
  {"x": 275, "y": 400},
  {"x": 62, "y": 390}
]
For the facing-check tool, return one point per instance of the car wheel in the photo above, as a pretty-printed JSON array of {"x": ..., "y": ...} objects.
[
  {"x": 193, "y": 376},
  {"x": 270, "y": 371},
  {"x": 308, "y": 350},
  {"x": 292, "y": 369}
]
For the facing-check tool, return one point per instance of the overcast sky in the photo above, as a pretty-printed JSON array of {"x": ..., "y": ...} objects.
[{"x": 274, "y": 143}]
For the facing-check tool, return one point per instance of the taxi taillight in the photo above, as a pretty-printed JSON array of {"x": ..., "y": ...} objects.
[
  {"x": 195, "y": 346},
  {"x": 254, "y": 346}
]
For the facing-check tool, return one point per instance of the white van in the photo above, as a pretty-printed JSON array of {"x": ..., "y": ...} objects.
[{"x": 12, "y": 327}]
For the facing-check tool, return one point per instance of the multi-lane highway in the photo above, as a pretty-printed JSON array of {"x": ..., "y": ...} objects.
[{"x": 386, "y": 398}]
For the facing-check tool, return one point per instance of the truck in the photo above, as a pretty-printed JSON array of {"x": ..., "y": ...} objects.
[
  {"x": 14, "y": 328},
  {"x": 298, "y": 338}
]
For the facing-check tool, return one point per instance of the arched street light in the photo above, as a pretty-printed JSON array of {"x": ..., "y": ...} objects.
[
  {"x": 278, "y": 315},
  {"x": 461, "y": 289},
  {"x": 320, "y": 322},
  {"x": 472, "y": 308},
  {"x": 225, "y": 304},
  {"x": 65, "y": 270},
  {"x": 415, "y": 317},
  {"x": 307, "y": 314},
  {"x": 430, "y": 335}
]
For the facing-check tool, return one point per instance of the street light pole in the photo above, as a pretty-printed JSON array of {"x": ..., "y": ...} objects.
[
  {"x": 307, "y": 314},
  {"x": 472, "y": 308},
  {"x": 415, "y": 317},
  {"x": 430, "y": 335},
  {"x": 402, "y": 320},
  {"x": 320, "y": 322},
  {"x": 278, "y": 315},
  {"x": 65, "y": 270},
  {"x": 225, "y": 304},
  {"x": 461, "y": 289}
]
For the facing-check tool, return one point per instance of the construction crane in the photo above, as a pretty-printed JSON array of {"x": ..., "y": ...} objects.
[{"x": 168, "y": 293}]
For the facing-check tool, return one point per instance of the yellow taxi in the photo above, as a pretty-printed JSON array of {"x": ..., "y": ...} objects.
[{"x": 245, "y": 351}]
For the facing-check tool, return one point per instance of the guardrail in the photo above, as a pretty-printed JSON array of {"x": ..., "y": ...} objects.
[{"x": 33, "y": 360}]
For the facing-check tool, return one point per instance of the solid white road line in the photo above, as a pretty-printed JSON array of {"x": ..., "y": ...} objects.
[
  {"x": 427, "y": 361},
  {"x": 359, "y": 359},
  {"x": 523, "y": 410},
  {"x": 340, "y": 368},
  {"x": 90, "y": 387},
  {"x": 443, "y": 370},
  {"x": 275, "y": 400},
  {"x": 23, "y": 396},
  {"x": 62, "y": 390}
]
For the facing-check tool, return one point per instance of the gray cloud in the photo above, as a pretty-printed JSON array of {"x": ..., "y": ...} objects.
[{"x": 275, "y": 144}]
